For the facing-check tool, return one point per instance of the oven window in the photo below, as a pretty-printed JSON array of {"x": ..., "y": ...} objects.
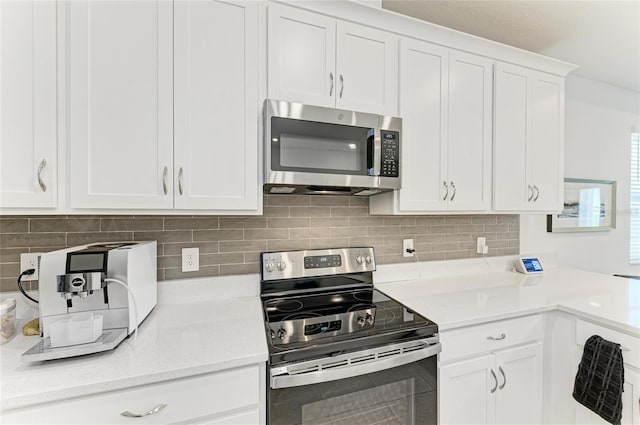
[
  {"x": 403, "y": 395},
  {"x": 314, "y": 147}
]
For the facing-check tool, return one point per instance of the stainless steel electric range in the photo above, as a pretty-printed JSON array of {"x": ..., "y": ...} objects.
[{"x": 340, "y": 351}]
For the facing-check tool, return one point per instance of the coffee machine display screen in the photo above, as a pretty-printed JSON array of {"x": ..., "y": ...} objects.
[{"x": 80, "y": 262}]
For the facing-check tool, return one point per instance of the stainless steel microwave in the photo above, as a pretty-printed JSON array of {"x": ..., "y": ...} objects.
[{"x": 316, "y": 150}]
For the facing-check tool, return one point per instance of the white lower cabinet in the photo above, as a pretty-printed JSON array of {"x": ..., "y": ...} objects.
[
  {"x": 498, "y": 388},
  {"x": 227, "y": 397}
]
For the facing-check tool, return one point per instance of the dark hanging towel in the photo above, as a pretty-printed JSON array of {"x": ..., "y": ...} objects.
[{"x": 600, "y": 379}]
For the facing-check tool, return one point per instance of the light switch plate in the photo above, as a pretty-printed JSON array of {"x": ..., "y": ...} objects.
[{"x": 190, "y": 259}]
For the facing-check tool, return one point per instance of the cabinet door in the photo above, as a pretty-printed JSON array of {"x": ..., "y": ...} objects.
[
  {"x": 120, "y": 88},
  {"x": 216, "y": 105},
  {"x": 28, "y": 127},
  {"x": 465, "y": 392},
  {"x": 519, "y": 395},
  {"x": 545, "y": 142},
  {"x": 469, "y": 131},
  {"x": 510, "y": 190},
  {"x": 423, "y": 104},
  {"x": 366, "y": 69},
  {"x": 302, "y": 56}
]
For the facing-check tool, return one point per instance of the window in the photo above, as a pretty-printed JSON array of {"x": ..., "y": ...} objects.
[{"x": 634, "y": 248}]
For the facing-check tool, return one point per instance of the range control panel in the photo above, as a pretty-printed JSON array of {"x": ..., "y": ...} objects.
[
  {"x": 317, "y": 262},
  {"x": 390, "y": 154}
]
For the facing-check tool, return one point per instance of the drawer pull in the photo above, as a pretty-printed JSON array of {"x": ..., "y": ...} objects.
[
  {"x": 156, "y": 409},
  {"x": 499, "y": 338},
  {"x": 503, "y": 377},
  {"x": 495, "y": 378}
]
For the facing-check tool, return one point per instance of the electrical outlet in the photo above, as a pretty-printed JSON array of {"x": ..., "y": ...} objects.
[
  {"x": 407, "y": 244},
  {"x": 190, "y": 259},
  {"x": 481, "y": 247},
  {"x": 30, "y": 261}
]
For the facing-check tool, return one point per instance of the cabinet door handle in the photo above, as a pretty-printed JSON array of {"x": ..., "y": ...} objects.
[
  {"x": 180, "y": 175},
  {"x": 155, "y": 410},
  {"x": 530, "y": 193},
  {"x": 497, "y": 338},
  {"x": 43, "y": 164},
  {"x": 495, "y": 378},
  {"x": 341, "y": 85},
  {"x": 453, "y": 186},
  {"x": 503, "y": 377},
  {"x": 446, "y": 187},
  {"x": 331, "y": 87},
  {"x": 537, "y": 193},
  {"x": 165, "y": 173}
]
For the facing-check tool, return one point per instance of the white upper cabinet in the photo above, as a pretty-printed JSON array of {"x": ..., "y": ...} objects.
[
  {"x": 302, "y": 56},
  {"x": 529, "y": 140},
  {"x": 216, "y": 105},
  {"x": 424, "y": 71},
  {"x": 445, "y": 105},
  {"x": 120, "y": 104},
  {"x": 317, "y": 60},
  {"x": 28, "y": 129},
  {"x": 366, "y": 69},
  {"x": 469, "y": 132}
]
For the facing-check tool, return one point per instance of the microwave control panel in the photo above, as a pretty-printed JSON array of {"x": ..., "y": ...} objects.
[{"x": 389, "y": 158}]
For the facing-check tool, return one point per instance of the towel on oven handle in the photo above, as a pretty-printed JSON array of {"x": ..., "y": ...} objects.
[{"x": 600, "y": 379}]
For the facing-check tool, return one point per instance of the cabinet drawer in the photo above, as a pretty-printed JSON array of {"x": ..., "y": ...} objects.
[
  {"x": 205, "y": 397},
  {"x": 473, "y": 340},
  {"x": 630, "y": 344}
]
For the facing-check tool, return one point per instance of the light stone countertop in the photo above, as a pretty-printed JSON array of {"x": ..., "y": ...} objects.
[
  {"x": 193, "y": 330},
  {"x": 206, "y": 325},
  {"x": 478, "y": 297}
]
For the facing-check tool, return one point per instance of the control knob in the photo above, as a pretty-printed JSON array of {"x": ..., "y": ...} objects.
[
  {"x": 360, "y": 320},
  {"x": 367, "y": 259},
  {"x": 369, "y": 319},
  {"x": 359, "y": 259},
  {"x": 282, "y": 265},
  {"x": 281, "y": 333},
  {"x": 269, "y": 267}
]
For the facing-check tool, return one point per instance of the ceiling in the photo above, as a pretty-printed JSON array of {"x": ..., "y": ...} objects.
[{"x": 601, "y": 37}]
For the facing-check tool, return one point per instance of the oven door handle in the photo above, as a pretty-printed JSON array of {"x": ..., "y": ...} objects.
[{"x": 287, "y": 381}]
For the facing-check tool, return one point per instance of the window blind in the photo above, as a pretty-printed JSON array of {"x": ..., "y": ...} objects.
[{"x": 634, "y": 248}]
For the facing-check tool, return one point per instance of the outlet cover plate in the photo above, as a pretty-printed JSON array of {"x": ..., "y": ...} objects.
[
  {"x": 481, "y": 247},
  {"x": 190, "y": 259},
  {"x": 29, "y": 260},
  {"x": 407, "y": 244}
]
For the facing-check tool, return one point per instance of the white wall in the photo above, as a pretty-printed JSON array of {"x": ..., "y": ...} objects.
[{"x": 599, "y": 122}]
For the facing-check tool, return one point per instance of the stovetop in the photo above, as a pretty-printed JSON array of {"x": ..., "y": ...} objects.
[
  {"x": 321, "y": 302},
  {"x": 295, "y": 322}
]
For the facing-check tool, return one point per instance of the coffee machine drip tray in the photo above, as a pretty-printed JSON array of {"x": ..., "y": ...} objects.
[{"x": 109, "y": 340}]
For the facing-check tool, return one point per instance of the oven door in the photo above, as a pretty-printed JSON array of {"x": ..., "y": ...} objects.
[{"x": 394, "y": 384}]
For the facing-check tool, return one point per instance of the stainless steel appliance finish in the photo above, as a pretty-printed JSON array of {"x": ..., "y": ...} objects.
[
  {"x": 341, "y": 351},
  {"x": 317, "y": 150}
]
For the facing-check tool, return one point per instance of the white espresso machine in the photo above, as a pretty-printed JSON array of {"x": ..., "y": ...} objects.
[{"x": 115, "y": 280}]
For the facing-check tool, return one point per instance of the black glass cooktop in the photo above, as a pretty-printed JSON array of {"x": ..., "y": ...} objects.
[{"x": 305, "y": 320}]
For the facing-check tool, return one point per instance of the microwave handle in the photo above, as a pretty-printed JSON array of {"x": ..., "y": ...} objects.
[{"x": 377, "y": 151}]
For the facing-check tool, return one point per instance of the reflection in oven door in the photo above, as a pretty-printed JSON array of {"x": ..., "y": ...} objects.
[{"x": 403, "y": 395}]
